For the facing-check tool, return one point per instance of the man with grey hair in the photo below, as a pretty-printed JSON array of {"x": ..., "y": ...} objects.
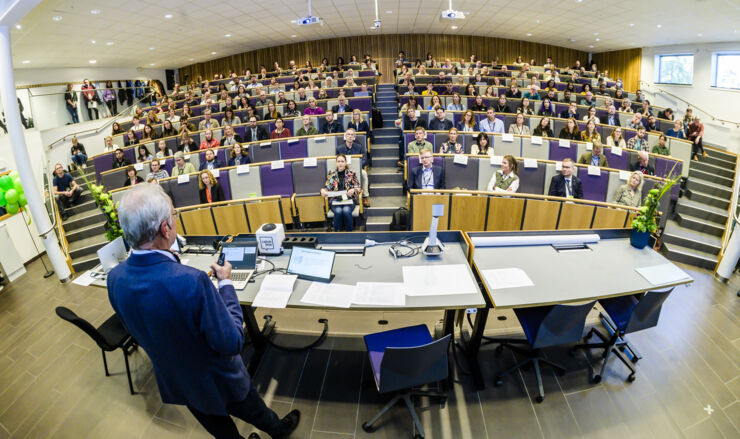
[{"x": 191, "y": 331}]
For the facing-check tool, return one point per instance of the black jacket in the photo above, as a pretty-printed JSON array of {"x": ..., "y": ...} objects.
[
  {"x": 557, "y": 186},
  {"x": 329, "y": 128},
  {"x": 440, "y": 125},
  {"x": 261, "y": 134},
  {"x": 217, "y": 194},
  {"x": 649, "y": 170}
]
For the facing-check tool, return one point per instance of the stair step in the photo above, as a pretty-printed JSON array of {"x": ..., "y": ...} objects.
[
  {"x": 700, "y": 225},
  {"x": 378, "y": 223},
  {"x": 708, "y": 199},
  {"x": 86, "y": 263},
  {"x": 711, "y": 152},
  {"x": 83, "y": 219},
  {"x": 87, "y": 204},
  {"x": 711, "y": 177},
  {"x": 86, "y": 232},
  {"x": 701, "y": 210},
  {"x": 712, "y": 169},
  {"x": 86, "y": 246},
  {"x": 705, "y": 242},
  {"x": 385, "y": 162},
  {"x": 379, "y": 175},
  {"x": 388, "y": 123},
  {"x": 689, "y": 256},
  {"x": 709, "y": 188},
  {"x": 385, "y": 150},
  {"x": 717, "y": 162},
  {"x": 386, "y": 190}
]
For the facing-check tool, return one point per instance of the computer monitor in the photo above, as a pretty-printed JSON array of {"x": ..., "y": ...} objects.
[
  {"x": 240, "y": 256},
  {"x": 311, "y": 264}
]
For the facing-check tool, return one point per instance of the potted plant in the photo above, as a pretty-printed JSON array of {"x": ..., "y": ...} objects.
[
  {"x": 110, "y": 209},
  {"x": 646, "y": 221}
]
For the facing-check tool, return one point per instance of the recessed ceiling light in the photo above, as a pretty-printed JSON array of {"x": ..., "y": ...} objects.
[
  {"x": 190, "y": 59},
  {"x": 152, "y": 48},
  {"x": 453, "y": 27},
  {"x": 591, "y": 46},
  {"x": 598, "y": 39},
  {"x": 57, "y": 18},
  {"x": 631, "y": 25},
  {"x": 529, "y": 34},
  {"x": 18, "y": 26},
  {"x": 699, "y": 35},
  {"x": 109, "y": 43},
  {"x": 537, "y": 21},
  {"x": 572, "y": 40},
  {"x": 213, "y": 53},
  {"x": 152, "y": 64},
  {"x": 293, "y": 36},
  {"x": 167, "y": 16},
  {"x": 659, "y": 26},
  {"x": 579, "y": 1},
  {"x": 596, "y": 33},
  {"x": 228, "y": 35},
  {"x": 389, "y": 12},
  {"x": 373, "y": 27},
  {"x": 92, "y": 41},
  {"x": 95, "y": 11},
  {"x": 92, "y": 61},
  {"x": 26, "y": 61}
]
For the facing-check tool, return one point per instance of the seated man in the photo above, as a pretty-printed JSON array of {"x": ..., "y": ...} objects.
[
  {"x": 426, "y": 175},
  {"x": 411, "y": 120},
  {"x": 207, "y": 123},
  {"x": 643, "y": 164},
  {"x": 211, "y": 162},
  {"x": 588, "y": 100},
  {"x": 636, "y": 121},
  {"x": 566, "y": 184},
  {"x": 572, "y": 111},
  {"x": 351, "y": 147},
  {"x": 255, "y": 132},
  {"x": 329, "y": 125},
  {"x": 595, "y": 157},
  {"x": 420, "y": 143},
  {"x": 490, "y": 124},
  {"x": 612, "y": 119},
  {"x": 307, "y": 129},
  {"x": 532, "y": 94},
  {"x": 66, "y": 189},
  {"x": 439, "y": 123},
  {"x": 343, "y": 106},
  {"x": 157, "y": 172},
  {"x": 640, "y": 141},
  {"x": 120, "y": 160}
]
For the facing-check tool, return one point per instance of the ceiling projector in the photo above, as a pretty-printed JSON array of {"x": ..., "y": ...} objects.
[
  {"x": 451, "y": 15},
  {"x": 308, "y": 20}
]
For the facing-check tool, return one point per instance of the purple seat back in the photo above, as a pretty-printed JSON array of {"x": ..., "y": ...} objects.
[
  {"x": 617, "y": 161},
  {"x": 294, "y": 150},
  {"x": 363, "y": 104},
  {"x": 557, "y": 153},
  {"x": 223, "y": 180},
  {"x": 276, "y": 181},
  {"x": 241, "y": 131},
  {"x": 663, "y": 167},
  {"x": 169, "y": 164},
  {"x": 196, "y": 111},
  {"x": 628, "y": 134},
  {"x": 102, "y": 163},
  {"x": 594, "y": 187}
]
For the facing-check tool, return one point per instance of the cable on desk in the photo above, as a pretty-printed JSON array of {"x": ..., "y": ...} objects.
[{"x": 314, "y": 343}]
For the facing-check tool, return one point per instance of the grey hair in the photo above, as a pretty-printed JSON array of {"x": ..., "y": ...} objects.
[
  {"x": 179, "y": 155},
  {"x": 142, "y": 211}
]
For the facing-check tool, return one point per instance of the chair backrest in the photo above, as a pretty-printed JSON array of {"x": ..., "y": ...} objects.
[
  {"x": 461, "y": 176},
  {"x": 531, "y": 180},
  {"x": 69, "y": 315},
  {"x": 308, "y": 180},
  {"x": 562, "y": 325},
  {"x": 647, "y": 311},
  {"x": 403, "y": 368}
]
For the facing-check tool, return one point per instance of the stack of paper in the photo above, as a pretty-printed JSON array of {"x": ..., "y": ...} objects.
[
  {"x": 335, "y": 295},
  {"x": 379, "y": 294},
  {"x": 438, "y": 280},
  {"x": 663, "y": 274},
  {"x": 502, "y": 278},
  {"x": 275, "y": 291}
]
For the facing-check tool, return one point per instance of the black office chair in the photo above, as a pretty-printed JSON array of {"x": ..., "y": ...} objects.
[
  {"x": 109, "y": 336},
  {"x": 624, "y": 315},
  {"x": 545, "y": 326}
]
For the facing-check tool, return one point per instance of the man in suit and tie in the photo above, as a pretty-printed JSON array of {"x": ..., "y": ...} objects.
[
  {"x": 426, "y": 175},
  {"x": 191, "y": 331},
  {"x": 255, "y": 132},
  {"x": 343, "y": 106},
  {"x": 566, "y": 184},
  {"x": 643, "y": 164},
  {"x": 329, "y": 125}
]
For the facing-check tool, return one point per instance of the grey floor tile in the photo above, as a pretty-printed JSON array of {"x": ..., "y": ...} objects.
[
  {"x": 309, "y": 389},
  {"x": 596, "y": 414},
  {"x": 702, "y": 430},
  {"x": 337, "y": 409}
]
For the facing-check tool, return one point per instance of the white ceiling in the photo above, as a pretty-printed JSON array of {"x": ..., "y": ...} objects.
[{"x": 141, "y": 36}]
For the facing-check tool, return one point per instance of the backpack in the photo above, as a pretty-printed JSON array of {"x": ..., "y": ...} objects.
[
  {"x": 400, "y": 219},
  {"x": 376, "y": 117}
]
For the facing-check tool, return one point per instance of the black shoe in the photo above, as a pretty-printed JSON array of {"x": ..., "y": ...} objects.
[
  {"x": 254, "y": 436},
  {"x": 65, "y": 216},
  {"x": 289, "y": 423}
]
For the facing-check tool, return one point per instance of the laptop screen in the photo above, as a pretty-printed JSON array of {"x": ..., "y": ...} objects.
[
  {"x": 311, "y": 263},
  {"x": 241, "y": 257}
]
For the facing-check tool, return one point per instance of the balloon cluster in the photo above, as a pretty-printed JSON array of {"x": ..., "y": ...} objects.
[{"x": 12, "y": 197}]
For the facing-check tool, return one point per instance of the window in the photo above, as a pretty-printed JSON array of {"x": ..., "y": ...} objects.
[
  {"x": 675, "y": 69},
  {"x": 726, "y": 70}
]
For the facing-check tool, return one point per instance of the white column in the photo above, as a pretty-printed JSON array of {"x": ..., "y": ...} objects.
[{"x": 18, "y": 141}]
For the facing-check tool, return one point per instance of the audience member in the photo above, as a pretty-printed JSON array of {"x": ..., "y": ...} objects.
[
  {"x": 482, "y": 145},
  {"x": 351, "y": 147},
  {"x": 312, "y": 109},
  {"x": 640, "y": 141},
  {"x": 661, "y": 148},
  {"x": 616, "y": 139},
  {"x": 518, "y": 127},
  {"x": 440, "y": 123},
  {"x": 451, "y": 146},
  {"x": 162, "y": 150},
  {"x": 330, "y": 125},
  {"x": 186, "y": 143},
  {"x": 677, "y": 131},
  {"x": 157, "y": 173},
  {"x": 280, "y": 132},
  {"x": 239, "y": 155},
  {"x": 491, "y": 124},
  {"x": 630, "y": 193},
  {"x": 468, "y": 123},
  {"x": 66, "y": 190},
  {"x": 119, "y": 159},
  {"x": 307, "y": 129},
  {"x": 590, "y": 134},
  {"x": 570, "y": 130},
  {"x": 209, "y": 140},
  {"x": 342, "y": 180},
  {"x": 211, "y": 162},
  {"x": 595, "y": 157},
  {"x": 643, "y": 164},
  {"x": 420, "y": 143},
  {"x": 91, "y": 99},
  {"x": 210, "y": 190},
  {"x": 426, "y": 175},
  {"x": 70, "y": 101},
  {"x": 566, "y": 184},
  {"x": 78, "y": 153},
  {"x": 181, "y": 165},
  {"x": 207, "y": 123},
  {"x": 543, "y": 128},
  {"x": 143, "y": 154},
  {"x": 506, "y": 178},
  {"x": 696, "y": 135},
  {"x": 132, "y": 178}
]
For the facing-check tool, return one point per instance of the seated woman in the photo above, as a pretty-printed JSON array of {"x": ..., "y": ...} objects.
[
  {"x": 436, "y": 101},
  {"x": 482, "y": 145},
  {"x": 478, "y": 104},
  {"x": 181, "y": 165},
  {"x": 456, "y": 104},
  {"x": 210, "y": 190},
  {"x": 116, "y": 129},
  {"x": 162, "y": 150},
  {"x": 280, "y": 131},
  {"x": 677, "y": 131},
  {"x": 230, "y": 118},
  {"x": 591, "y": 114},
  {"x": 451, "y": 146},
  {"x": 209, "y": 141},
  {"x": 630, "y": 193},
  {"x": 525, "y": 108},
  {"x": 167, "y": 129},
  {"x": 312, "y": 109},
  {"x": 239, "y": 155},
  {"x": 186, "y": 143},
  {"x": 130, "y": 138},
  {"x": 291, "y": 110},
  {"x": 505, "y": 179},
  {"x": 131, "y": 177},
  {"x": 358, "y": 124},
  {"x": 143, "y": 154},
  {"x": 519, "y": 127},
  {"x": 543, "y": 128},
  {"x": 342, "y": 179},
  {"x": 470, "y": 90},
  {"x": 616, "y": 138},
  {"x": 468, "y": 123},
  {"x": 272, "y": 112},
  {"x": 590, "y": 134},
  {"x": 151, "y": 118},
  {"x": 546, "y": 109},
  {"x": 626, "y": 106}
]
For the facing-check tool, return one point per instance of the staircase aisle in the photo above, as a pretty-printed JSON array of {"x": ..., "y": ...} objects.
[
  {"x": 386, "y": 184},
  {"x": 695, "y": 236}
]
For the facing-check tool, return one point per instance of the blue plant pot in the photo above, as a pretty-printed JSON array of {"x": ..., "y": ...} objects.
[{"x": 639, "y": 239}]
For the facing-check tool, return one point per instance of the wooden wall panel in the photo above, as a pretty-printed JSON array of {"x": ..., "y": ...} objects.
[
  {"x": 505, "y": 214},
  {"x": 540, "y": 215},
  {"x": 384, "y": 49},
  {"x": 468, "y": 213},
  {"x": 575, "y": 216},
  {"x": 422, "y": 208},
  {"x": 625, "y": 64}
]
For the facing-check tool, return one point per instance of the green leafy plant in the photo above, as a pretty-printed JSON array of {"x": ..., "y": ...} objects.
[
  {"x": 647, "y": 219},
  {"x": 110, "y": 209}
]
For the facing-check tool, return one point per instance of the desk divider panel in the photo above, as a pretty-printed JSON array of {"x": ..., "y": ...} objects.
[
  {"x": 530, "y": 150},
  {"x": 531, "y": 180},
  {"x": 617, "y": 161},
  {"x": 504, "y": 214},
  {"x": 505, "y": 148},
  {"x": 485, "y": 172},
  {"x": 246, "y": 185},
  {"x": 613, "y": 184},
  {"x": 230, "y": 219},
  {"x": 468, "y": 212},
  {"x": 194, "y": 159},
  {"x": 293, "y": 149},
  {"x": 322, "y": 146},
  {"x": 422, "y": 211},
  {"x": 608, "y": 218},
  {"x": 262, "y": 212},
  {"x": 594, "y": 186},
  {"x": 265, "y": 151},
  {"x": 186, "y": 194},
  {"x": 575, "y": 216},
  {"x": 550, "y": 172},
  {"x": 558, "y": 153},
  {"x": 459, "y": 176},
  {"x": 540, "y": 215},
  {"x": 198, "y": 222},
  {"x": 223, "y": 180}
]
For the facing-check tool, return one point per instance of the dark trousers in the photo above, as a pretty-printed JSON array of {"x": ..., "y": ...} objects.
[
  {"x": 91, "y": 111},
  {"x": 112, "y": 107},
  {"x": 252, "y": 410},
  {"x": 696, "y": 146},
  {"x": 343, "y": 217},
  {"x": 65, "y": 202},
  {"x": 73, "y": 112}
]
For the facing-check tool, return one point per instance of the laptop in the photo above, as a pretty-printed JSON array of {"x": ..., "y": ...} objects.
[
  {"x": 311, "y": 264},
  {"x": 243, "y": 259},
  {"x": 112, "y": 254}
]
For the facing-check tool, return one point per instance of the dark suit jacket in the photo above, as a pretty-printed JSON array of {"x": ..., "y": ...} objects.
[
  {"x": 557, "y": 186},
  {"x": 501, "y": 108},
  {"x": 565, "y": 114},
  {"x": 191, "y": 332},
  {"x": 650, "y": 170},
  {"x": 334, "y": 127},
  {"x": 261, "y": 134},
  {"x": 438, "y": 175},
  {"x": 217, "y": 194},
  {"x": 408, "y": 124},
  {"x": 605, "y": 120},
  {"x": 440, "y": 125},
  {"x": 216, "y": 164},
  {"x": 347, "y": 108}
]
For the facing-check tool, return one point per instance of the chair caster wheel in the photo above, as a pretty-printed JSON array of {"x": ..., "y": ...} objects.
[
  {"x": 498, "y": 382},
  {"x": 499, "y": 348},
  {"x": 631, "y": 378},
  {"x": 368, "y": 428},
  {"x": 596, "y": 379},
  {"x": 539, "y": 398}
]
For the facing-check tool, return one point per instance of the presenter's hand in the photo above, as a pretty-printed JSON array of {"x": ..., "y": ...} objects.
[{"x": 220, "y": 272}]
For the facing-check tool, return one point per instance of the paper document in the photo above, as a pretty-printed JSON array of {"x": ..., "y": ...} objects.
[
  {"x": 616, "y": 150},
  {"x": 275, "y": 291},
  {"x": 379, "y": 293},
  {"x": 507, "y": 137},
  {"x": 589, "y": 146},
  {"x": 530, "y": 163},
  {"x": 662, "y": 274},
  {"x": 564, "y": 143},
  {"x": 216, "y": 173},
  {"x": 594, "y": 170},
  {"x": 242, "y": 169},
  {"x": 332, "y": 194},
  {"x": 85, "y": 279},
  {"x": 624, "y": 175},
  {"x": 139, "y": 166},
  {"x": 460, "y": 159},
  {"x": 335, "y": 295},
  {"x": 501, "y": 278},
  {"x": 437, "y": 280},
  {"x": 535, "y": 140},
  {"x": 497, "y": 159},
  {"x": 309, "y": 162}
]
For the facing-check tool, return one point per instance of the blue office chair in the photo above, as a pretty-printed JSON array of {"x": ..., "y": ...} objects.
[
  {"x": 624, "y": 315},
  {"x": 405, "y": 358},
  {"x": 545, "y": 326}
]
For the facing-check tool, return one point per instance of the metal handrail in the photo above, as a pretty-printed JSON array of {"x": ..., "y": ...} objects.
[
  {"x": 689, "y": 104},
  {"x": 105, "y": 125},
  {"x": 81, "y": 91}
]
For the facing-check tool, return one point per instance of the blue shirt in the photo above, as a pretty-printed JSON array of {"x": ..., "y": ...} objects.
[
  {"x": 427, "y": 178},
  {"x": 63, "y": 183},
  {"x": 497, "y": 126},
  {"x": 595, "y": 160}
]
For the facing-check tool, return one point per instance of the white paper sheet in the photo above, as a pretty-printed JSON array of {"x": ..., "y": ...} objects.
[
  {"x": 310, "y": 162},
  {"x": 558, "y": 166},
  {"x": 435, "y": 280},
  {"x": 497, "y": 159},
  {"x": 662, "y": 274},
  {"x": 85, "y": 279},
  {"x": 277, "y": 164},
  {"x": 589, "y": 146},
  {"x": 319, "y": 139},
  {"x": 564, "y": 143},
  {"x": 293, "y": 141},
  {"x": 379, "y": 294},
  {"x": 275, "y": 291},
  {"x": 507, "y": 137},
  {"x": 265, "y": 144},
  {"x": 216, "y": 173},
  {"x": 335, "y": 295},
  {"x": 501, "y": 278},
  {"x": 594, "y": 170},
  {"x": 530, "y": 163},
  {"x": 616, "y": 150},
  {"x": 460, "y": 159},
  {"x": 536, "y": 140},
  {"x": 349, "y": 159},
  {"x": 242, "y": 169},
  {"x": 183, "y": 178},
  {"x": 624, "y": 175},
  {"x": 139, "y": 166}
]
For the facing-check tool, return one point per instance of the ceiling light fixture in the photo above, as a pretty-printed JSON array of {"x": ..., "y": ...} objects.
[
  {"x": 168, "y": 16},
  {"x": 152, "y": 48},
  {"x": 659, "y": 26},
  {"x": 591, "y": 46},
  {"x": 26, "y": 61},
  {"x": 293, "y": 36},
  {"x": 213, "y": 53},
  {"x": 18, "y": 26},
  {"x": 699, "y": 35},
  {"x": 631, "y": 25},
  {"x": 598, "y": 39},
  {"x": 57, "y": 18},
  {"x": 152, "y": 64},
  {"x": 92, "y": 61},
  {"x": 228, "y": 35},
  {"x": 453, "y": 27},
  {"x": 190, "y": 59},
  {"x": 538, "y": 21},
  {"x": 596, "y": 33},
  {"x": 529, "y": 34},
  {"x": 109, "y": 43},
  {"x": 92, "y": 41},
  {"x": 388, "y": 11},
  {"x": 95, "y": 11}
]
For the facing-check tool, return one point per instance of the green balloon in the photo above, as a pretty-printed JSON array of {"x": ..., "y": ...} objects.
[
  {"x": 12, "y": 208},
  {"x": 11, "y": 196},
  {"x": 6, "y": 182},
  {"x": 18, "y": 186},
  {"x": 22, "y": 199},
  {"x": 3, "y": 202}
]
